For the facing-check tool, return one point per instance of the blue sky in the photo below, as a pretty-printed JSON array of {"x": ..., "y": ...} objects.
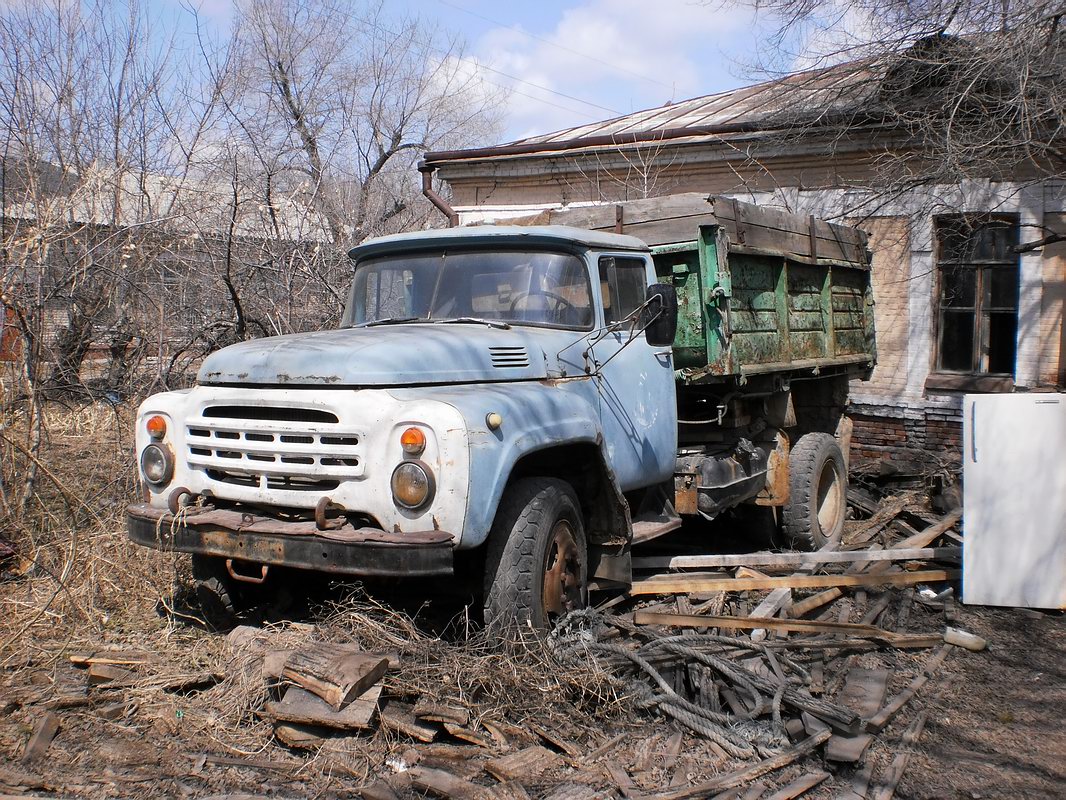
[{"x": 568, "y": 62}]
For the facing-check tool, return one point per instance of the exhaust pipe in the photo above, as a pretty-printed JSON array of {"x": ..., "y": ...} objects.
[{"x": 427, "y": 189}]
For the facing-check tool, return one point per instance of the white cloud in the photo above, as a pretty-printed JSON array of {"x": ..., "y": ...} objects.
[{"x": 623, "y": 55}]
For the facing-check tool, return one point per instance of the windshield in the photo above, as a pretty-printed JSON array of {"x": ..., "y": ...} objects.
[{"x": 510, "y": 287}]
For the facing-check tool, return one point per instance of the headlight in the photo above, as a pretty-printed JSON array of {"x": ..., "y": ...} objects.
[
  {"x": 412, "y": 484},
  {"x": 156, "y": 465}
]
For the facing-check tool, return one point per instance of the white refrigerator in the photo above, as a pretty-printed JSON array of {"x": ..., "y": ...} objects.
[{"x": 1014, "y": 500}]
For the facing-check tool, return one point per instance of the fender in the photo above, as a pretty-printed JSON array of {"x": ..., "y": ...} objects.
[{"x": 536, "y": 415}]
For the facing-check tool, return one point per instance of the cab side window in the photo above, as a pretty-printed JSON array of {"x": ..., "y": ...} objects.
[{"x": 624, "y": 286}]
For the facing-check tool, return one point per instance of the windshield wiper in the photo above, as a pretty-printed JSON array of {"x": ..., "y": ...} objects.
[
  {"x": 386, "y": 321},
  {"x": 475, "y": 320}
]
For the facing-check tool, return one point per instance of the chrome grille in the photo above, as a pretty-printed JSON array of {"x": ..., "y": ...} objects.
[{"x": 280, "y": 449}]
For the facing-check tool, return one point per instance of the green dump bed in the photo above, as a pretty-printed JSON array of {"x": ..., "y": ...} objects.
[{"x": 759, "y": 290}]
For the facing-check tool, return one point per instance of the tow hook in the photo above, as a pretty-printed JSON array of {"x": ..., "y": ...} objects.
[
  {"x": 263, "y": 568},
  {"x": 322, "y": 522}
]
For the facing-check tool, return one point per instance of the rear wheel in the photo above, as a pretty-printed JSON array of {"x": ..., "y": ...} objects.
[
  {"x": 536, "y": 564},
  {"x": 818, "y": 486}
]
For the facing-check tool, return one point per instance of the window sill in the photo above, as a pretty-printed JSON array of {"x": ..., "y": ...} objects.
[{"x": 952, "y": 382}]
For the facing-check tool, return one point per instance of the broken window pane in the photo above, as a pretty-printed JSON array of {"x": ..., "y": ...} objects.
[
  {"x": 1002, "y": 333},
  {"x": 956, "y": 341}
]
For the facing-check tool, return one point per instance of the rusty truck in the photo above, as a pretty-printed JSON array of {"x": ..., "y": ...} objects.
[{"x": 524, "y": 404}]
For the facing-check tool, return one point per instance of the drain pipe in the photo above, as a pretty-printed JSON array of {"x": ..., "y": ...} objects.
[{"x": 427, "y": 171}]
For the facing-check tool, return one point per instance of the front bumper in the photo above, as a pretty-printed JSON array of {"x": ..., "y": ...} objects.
[{"x": 291, "y": 543}]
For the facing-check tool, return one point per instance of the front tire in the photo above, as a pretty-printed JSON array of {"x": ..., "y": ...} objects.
[
  {"x": 818, "y": 488},
  {"x": 536, "y": 566},
  {"x": 215, "y": 591}
]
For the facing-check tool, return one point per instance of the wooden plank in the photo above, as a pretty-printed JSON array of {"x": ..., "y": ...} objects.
[
  {"x": 799, "y": 559},
  {"x": 42, "y": 737},
  {"x": 864, "y": 692},
  {"x": 465, "y": 734},
  {"x": 768, "y": 607},
  {"x": 105, "y": 674},
  {"x": 885, "y": 786},
  {"x": 798, "y": 787},
  {"x": 113, "y": 657},
  {"x": 926, "y": 537},
  {"x": 525, "y": 764},
  {"x": 848, "y": 749},
  {"x": 300, "y": 737},
  {"x": 878, "y": 721},
  {"x": 398, "y": 717},
  {"x": 428, "y": 709},
  {"x": 443, "y": 784},
  {"x": 671, "y": 584},
  {"x": 808, "y": 604},
  {"x": 557, "y": 741},
  {"x": 251, "y": 763},
  {"x": 336, "y": 673},
  {"x": 795, "y": 625},
  {"x": 743, "y": 776},
  {"x": 301, "y": 706},
  {"x": 379, "y": 790}
]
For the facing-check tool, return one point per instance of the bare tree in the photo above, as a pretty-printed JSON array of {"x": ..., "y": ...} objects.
[
  {"x": 158, "y": 202},
  {"x": 947, "y": 91}
]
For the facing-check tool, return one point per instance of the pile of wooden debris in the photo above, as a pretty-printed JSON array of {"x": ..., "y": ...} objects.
[{"x": 758, "y": 675}]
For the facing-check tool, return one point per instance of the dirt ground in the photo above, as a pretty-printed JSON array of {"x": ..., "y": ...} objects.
[
  {"x": 188, "y": 725},
  {"x": 996, "y": 717}
]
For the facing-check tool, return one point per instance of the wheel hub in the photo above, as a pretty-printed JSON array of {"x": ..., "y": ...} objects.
[{"x": 562, "y": 572}]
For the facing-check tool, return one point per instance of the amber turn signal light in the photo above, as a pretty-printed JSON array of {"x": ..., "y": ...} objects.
[
  {"x": 413, "y": 441},
  {"x": 157, "y": 427}
]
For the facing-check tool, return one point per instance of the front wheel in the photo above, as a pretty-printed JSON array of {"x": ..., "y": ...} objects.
[
  {"x": 818, "y": 488},
  {"x": 536, "y": 566}
]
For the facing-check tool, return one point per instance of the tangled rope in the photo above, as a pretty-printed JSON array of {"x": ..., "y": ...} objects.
[{"x": 586, "y": 634}]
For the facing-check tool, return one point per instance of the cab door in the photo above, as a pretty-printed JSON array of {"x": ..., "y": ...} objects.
[{"x": 634, "y": 381}]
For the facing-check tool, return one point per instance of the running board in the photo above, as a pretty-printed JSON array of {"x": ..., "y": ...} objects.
[{"x": 646, "y": 530}]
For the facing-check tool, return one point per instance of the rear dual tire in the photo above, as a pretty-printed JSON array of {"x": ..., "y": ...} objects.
[{"x": 818, "y": 486}]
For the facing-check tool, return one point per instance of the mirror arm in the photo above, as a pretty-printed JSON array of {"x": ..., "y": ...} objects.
[{"x": 634, "y": 316}]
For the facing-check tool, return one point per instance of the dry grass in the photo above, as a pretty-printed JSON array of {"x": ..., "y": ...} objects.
[{"x": 80, "y": 585}]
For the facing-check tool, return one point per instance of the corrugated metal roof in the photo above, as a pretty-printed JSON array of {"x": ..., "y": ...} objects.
[{"x": 814, "y": 92}]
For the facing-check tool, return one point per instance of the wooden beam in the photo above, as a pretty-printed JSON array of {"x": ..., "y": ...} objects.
[
  {"x": 797, "y": 559},
  {"x": 802, "y": 784},
  {"x": 673, "y": 584},
  {"x": 886, "y": 785},
  {"x": 879, "y": 720},
  {"x": 808, "y": 604},
  {"x": 925, "y": 537},
  {"x": 43, "y": 735},
  {"x": 794, "y": 625}
]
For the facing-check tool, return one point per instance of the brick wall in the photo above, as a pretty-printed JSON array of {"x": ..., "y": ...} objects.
[{"x": 933, "y": 437}]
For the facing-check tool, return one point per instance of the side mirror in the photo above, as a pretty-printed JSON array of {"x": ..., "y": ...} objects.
[{"x": 659, "y": 318}]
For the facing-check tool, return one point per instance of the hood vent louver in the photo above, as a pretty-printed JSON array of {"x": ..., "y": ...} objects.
[{"x": 509, "y": 357}]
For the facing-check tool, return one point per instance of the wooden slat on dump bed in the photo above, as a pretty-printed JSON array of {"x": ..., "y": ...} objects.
[{"x": 676, "y": 218}]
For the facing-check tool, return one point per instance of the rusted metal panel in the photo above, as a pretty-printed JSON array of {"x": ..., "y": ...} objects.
[
  {"x": 368, "y": 552},
  {"x": 686, "y": 496}
]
